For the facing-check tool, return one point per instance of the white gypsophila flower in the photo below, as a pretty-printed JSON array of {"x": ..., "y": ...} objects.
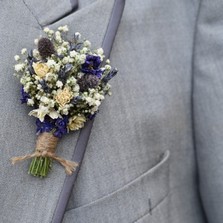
[
  {"x": 51, "y": 32},
  {"x": 65, "y": 44},
  {"x": 60, "y": 28},
  {"x": 91, "y": 90},
  {"x": 54, "y": 92},
  {"x": 51, "y": 63},
  {"x": 108, "y": 61},
  {"x": 63, "y": 28},
  {"x": 84, "y": 50},
  {"x": 17, "y": 57},
  {"x": 81, "y": 58},
  {"x": 72, "y": 80},
  {"x": 65, "y": 60},
  {"x": 44, "y": 99},
  {"x": 37, "y": 96},
  {"x": 30, "y": 102},
  {"x": 46, "y": 30},
  {"x": 51, "y": 103},
  {"x": 107, "y": 67},
  {"x": 22, "y": 80},
  {"x": 73, "y": 53},
  {"x": 90, "y": 101},
  {"x": 76, "y": 88},
  {"x": 58, "y": 39},
  {"x": 102, "y": 69},
  {"x": 77, "y": 35},
  {"x": 26, "y": 88},
  {"x": 101, "y": 57},
  {"x": 75, "y": 95},
  {"x": 94, "y": 109},
  {"x": 67, "y": 106},
  {"x": 97, "y": 102},
  {"x": 36, "y": 41},
  {"x": 64, "y": 111},
  {"x": 87, "y": 43},
  {"x": 59, "y": 84},
  {"x": 19, "y": 67},
  {"x": 35, "y": 53},
  {"x": 58, "y": 36},
  {"x": 39, "y": 86},
  {"x": 57, "y": 67},
  {"x": 80, "y": 74},
  {"x": 71, "y": 60},
  {"x": 58, "y": 33},
  {"x": 23, "y": 51},
  {"x": 28, "y": 79},
  {"x": 100, "y": 51},
  {"x": 37, "y": 77},
  {"x": 49, "y": 77},
  {"x": 61, "y": 50},
  {"x": 98, "y": 96},
  {"x": 85, "y": 94}
]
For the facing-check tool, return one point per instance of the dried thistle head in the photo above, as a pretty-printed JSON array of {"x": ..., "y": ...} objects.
[
  {"x": 88, "y": 81},
  {"x": 45, "y": 48}
]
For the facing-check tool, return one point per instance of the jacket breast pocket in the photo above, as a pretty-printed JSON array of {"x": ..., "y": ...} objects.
[{"x": 142, "y": 200}]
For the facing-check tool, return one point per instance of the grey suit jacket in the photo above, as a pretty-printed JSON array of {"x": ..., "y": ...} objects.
[{"x": 155, "y": 151}]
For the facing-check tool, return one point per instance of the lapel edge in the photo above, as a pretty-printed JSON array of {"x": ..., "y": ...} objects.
[{"x": 84, "y": 135}]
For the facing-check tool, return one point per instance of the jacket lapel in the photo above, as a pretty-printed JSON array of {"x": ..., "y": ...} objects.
[{"x": 110, "y": 27}]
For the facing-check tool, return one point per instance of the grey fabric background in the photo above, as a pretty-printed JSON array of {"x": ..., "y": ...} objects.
[
  {"x": 141, "y": 160},
  {"x": 149, "y": 113},
  {"x": 208, "y": 105}
]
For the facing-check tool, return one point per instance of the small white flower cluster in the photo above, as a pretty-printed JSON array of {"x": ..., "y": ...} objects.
[
  {"x": 71, "y": 81},
  {"x": 93, "y": 98}
]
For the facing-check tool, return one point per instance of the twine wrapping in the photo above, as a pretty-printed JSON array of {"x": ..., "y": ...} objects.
[{"x": 45, "y": 147}]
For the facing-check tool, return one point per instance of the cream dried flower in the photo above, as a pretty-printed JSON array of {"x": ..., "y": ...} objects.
[
  {"x": 41, "y": 69},
  {"x": 76, "y": 122},
  {"x": 63, "y": 97}
]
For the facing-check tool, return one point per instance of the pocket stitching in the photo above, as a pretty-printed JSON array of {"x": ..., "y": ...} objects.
[{"x": 149, "y": 213}]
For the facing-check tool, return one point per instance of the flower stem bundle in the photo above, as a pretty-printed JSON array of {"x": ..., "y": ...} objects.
[{"x": 43, "y": 155}]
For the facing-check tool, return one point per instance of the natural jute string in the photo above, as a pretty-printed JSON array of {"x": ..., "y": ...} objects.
[{"x": 45, "y": 147}]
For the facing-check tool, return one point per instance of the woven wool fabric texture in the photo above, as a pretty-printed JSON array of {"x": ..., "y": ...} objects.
[{"x": 155, "y": 150}]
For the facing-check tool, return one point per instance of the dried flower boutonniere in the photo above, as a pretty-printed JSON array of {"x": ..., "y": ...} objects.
[{"x": 65, "y": 82}]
